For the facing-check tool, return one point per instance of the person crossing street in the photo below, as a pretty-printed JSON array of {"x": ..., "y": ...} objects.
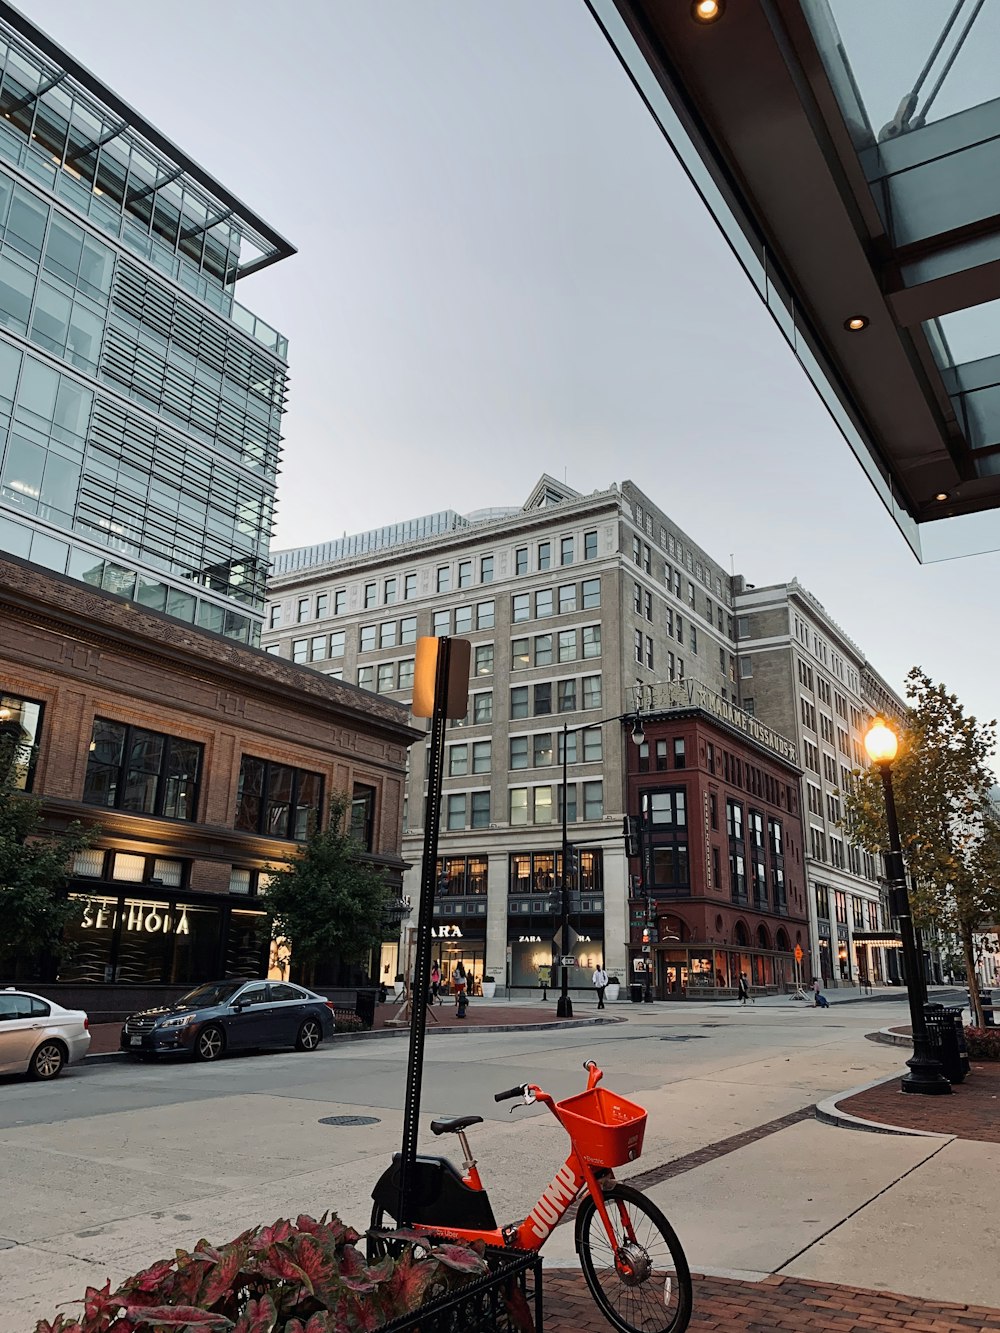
[{"x": 600, "y": 984}]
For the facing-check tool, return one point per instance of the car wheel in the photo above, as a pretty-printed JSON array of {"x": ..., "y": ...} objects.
[
  {"x": 310, "y": 1035},
  {"x": 48, "y": 1060},
  {"x": 210, "y": 1043}
]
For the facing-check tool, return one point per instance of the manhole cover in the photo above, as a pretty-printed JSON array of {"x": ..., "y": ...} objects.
[
  {"x": 350, "y": 1120},
  {"x": 685, "y": 1036}
]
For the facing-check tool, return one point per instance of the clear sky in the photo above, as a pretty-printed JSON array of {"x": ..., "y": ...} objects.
[{"x": 502, "y": 271}]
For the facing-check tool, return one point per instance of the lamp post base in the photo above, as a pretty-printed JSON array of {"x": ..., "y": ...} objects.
[
  {"x": 564, "y": 1009},
  {"x": 925, "y": 1077}
]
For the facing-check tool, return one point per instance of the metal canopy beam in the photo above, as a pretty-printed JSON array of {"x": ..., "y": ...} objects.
[{"x": 753, "y": 97}]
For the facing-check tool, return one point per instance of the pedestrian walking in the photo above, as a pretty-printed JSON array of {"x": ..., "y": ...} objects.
[
  {"x": 460, "y": 981},
  {"x": 600, "y": 984},
  {"x": 743, "y": 988},
  {"x": 819, "y": 999},
  {"x": 435, "y": 982}
]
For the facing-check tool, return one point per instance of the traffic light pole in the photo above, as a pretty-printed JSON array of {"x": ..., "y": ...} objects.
[
  {"x": 650, "y": 908},
  {"x": 564, "y": 1006}
]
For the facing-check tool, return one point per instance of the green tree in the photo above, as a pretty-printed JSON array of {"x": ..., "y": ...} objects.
[
  {"x": 34, "y": 866},
  {"x": 328, "y": 902},
  {"x": 950, "y": 842}
]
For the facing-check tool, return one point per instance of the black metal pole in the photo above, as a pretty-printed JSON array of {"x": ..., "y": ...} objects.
[
  {"x": 425, "y": 921},
  {"x": 650, "y": 918},
  {"x": 925, "y": 1074},
  {"x": 564, "y": 1005}
]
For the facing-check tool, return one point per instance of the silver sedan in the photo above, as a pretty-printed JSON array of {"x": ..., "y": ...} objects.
[{"x": 38, "y": 1036}]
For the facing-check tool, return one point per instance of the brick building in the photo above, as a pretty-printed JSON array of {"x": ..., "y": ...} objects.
[
  {"x": 720, "y": 873},
  {"x": 203, "y": 762}
]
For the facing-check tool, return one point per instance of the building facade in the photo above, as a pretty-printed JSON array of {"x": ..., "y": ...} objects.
[
  {"x": 201, "y": 764},
  {"x": 140, "y": 404},
  {"x": 718, "y": 885},
  {"x": 573, "y": 605},
  {"x": 800, "y": 671}
]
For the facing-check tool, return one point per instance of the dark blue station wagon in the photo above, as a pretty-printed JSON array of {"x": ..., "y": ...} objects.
[{"x": 222, "y": 1016}]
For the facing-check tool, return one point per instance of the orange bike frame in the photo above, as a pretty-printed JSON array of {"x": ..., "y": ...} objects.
[{"x": 574, "y": 1175}]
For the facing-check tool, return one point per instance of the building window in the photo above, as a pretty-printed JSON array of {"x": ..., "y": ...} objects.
[
  {"x": 543, "y": 650},
  {"x": 593, "y": 800},
  {"x": 637, "y": 637},
  {"x": 441, "y": 623},
  {"x": 20, "y": 723},
  {"x": 480, "y": 806},
  {"x": 566, "y": 551},
  {"x": 543, "y": 603},
  {"x": 371, "y": 595},
  {"x": 486, "y": 569},
  {"x": 389, "y": 591},
  {"x": 521, "y": 560},
  {"x": 567, "y": 696},
  {"x": 458, "y": 761},
  {"x": 637, "y": 598},
  {"x": 366, "y": 638},
  {"x": 520, "y": 653},
  {"x": 303, "y": 610},
  {"x": 482, "y": 706},
  {"x": 366, "y": 677},
  {"x": 465, "y": 574},
  {"x": 567, "y": 645},
  {"x": 277, "y": 800},
  {"x": 592, "y": 694},
  {"x": 518, "y": 752},
  {"x": 518, "y": 805},
  {"x": 591, "y": 637},
  {"x": 520, "y": 607},
  {"x": 386, "y": 681},
  {"x": 485, "y": 615},
  {"x": 542, "y": 749},
  {"x": 590, "y": 546},
  {"x": 455, "y": 818},
  {"x": 591, "y": 594},
  {"x": 519, "y": 701},
  {"x": 593, "y": 745},
  {"x": 340, "y": 601},
  {"x": 567, "y": 598},
  {"x": 409, "y": 586},
  {"x": 649, "y": 652},
  {"x": 543, "y": 699},
  {"x": 129, "y": 768},
  {"x": 362, "y": 827},
  {"x": 444, "y": 578},
  {"x": 484, "y": 659},
  {"x": 544, "y": 555},
  {"x": 274, "y": 616},
  {"x": 338, "y": 640},
  {"x": 463, "y": 619},
  {"x": 679, "y": 759},
  {"x": 408, "y": 630},
  {"x": 387, "y": 634},
  {"x": 406, "y": 668}
]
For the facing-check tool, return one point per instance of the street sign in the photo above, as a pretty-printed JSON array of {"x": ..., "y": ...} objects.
[
  {"x": 646, "y": 948},
  {"x": 558, "y": 937},
  {"x": 798, "y": 953},
  {"x": 568, "y": 960}
]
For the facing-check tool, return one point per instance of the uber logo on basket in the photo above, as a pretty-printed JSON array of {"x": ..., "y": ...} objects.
[{"x": 554, "y": 1202}]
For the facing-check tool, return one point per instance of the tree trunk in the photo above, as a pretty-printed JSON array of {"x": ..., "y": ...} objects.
[{"x": 975, "y": 1003}]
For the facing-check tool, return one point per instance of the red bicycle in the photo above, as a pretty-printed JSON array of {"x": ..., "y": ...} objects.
[{"x": 631, "y": 1258}]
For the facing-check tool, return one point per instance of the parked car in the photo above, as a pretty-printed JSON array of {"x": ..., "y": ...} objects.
[
  {"x": 39, "y": 1037},
  {"x": 225, "y": 1016}
]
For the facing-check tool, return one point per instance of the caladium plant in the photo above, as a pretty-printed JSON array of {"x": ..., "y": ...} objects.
[{"x": 305, "y": 1276}]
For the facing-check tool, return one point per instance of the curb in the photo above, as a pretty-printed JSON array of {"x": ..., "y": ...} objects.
[
  {"x": 829, "y": 1113},
  {"x": 104, "y": 1057},
  {"x": 887, "y": 1037}
]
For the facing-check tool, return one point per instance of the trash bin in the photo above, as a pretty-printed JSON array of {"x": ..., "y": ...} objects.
[
  {"x": 635, "y": 992},
  {"x": 944, "y": 1027}
]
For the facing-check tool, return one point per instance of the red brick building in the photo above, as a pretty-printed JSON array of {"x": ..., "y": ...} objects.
[
  {"x": 202, "y": 761},
  {"x": 720, "y": 873}
]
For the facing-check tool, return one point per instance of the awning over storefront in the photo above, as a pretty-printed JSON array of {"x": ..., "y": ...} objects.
[{"x": 890, "y": 938}]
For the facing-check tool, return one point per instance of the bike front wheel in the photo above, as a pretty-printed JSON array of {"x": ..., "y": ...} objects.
[{"x": 641, "y": 1282}]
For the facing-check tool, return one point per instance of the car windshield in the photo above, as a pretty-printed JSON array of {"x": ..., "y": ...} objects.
[{"x": 216, "y": 992}]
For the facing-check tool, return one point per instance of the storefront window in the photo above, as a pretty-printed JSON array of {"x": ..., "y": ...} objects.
[
  {"x": 141, "y": 941},
  {"x": 196, "y": 943},
  {"x": 247, "y": 944},
  {"x": 20, "y": 723}
]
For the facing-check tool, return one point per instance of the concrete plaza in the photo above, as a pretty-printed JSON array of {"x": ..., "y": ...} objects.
[{"x": 117, "y": 1163}]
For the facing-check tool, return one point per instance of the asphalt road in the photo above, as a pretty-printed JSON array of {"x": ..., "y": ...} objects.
[{"x": 115, "y": 1164}]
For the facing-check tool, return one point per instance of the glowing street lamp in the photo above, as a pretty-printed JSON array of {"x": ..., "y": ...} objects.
[{"x": 925, "y": 1074}]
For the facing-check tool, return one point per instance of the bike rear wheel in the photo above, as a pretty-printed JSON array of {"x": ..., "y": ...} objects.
[{"x": 642, "y": 1283}]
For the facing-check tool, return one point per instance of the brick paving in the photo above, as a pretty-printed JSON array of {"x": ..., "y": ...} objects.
[
  {"x": 776, "y": 1305},
  {"x": 971, "y": 1112}
]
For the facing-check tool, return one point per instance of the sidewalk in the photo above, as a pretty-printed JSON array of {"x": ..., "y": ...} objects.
[{"x": 777, "y": 1305}]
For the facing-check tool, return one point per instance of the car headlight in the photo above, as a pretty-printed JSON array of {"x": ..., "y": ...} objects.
[{"x": 179, "y": 1021}]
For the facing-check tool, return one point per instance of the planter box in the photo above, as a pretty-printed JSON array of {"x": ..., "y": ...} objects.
[
  {"x": 478, "y": 1306},
  {"x": 489, "y": 990}
]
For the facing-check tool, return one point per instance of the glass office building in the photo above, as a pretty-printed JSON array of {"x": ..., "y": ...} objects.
[{"x": 140, "y": 404}]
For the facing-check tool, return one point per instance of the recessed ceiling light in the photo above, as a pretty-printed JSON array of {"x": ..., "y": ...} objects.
[
  {"x": 856, "y": 323},
  {"x": 707, "y": 11},
  {"x": 942, "y": 495}
]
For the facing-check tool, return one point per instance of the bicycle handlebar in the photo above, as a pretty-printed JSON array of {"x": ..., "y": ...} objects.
[{"x": 510, "y": 1093}]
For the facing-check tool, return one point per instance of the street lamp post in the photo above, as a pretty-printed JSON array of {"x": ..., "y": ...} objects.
[
  {"x": 564, "y": 1005},
  {"x": 925, "y": 1074}
]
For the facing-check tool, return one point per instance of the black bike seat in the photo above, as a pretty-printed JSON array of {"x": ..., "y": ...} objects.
[{"x": 454, "y": 1123}]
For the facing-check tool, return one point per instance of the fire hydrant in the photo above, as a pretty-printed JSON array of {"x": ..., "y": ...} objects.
[{"x": 461, "y": 1004}]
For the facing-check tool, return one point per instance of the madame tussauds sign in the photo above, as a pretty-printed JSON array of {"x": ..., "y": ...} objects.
[{"x": 142, "y": 918}]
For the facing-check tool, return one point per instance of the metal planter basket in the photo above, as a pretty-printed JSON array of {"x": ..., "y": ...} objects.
[{"x": 478, "y": 1306}]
